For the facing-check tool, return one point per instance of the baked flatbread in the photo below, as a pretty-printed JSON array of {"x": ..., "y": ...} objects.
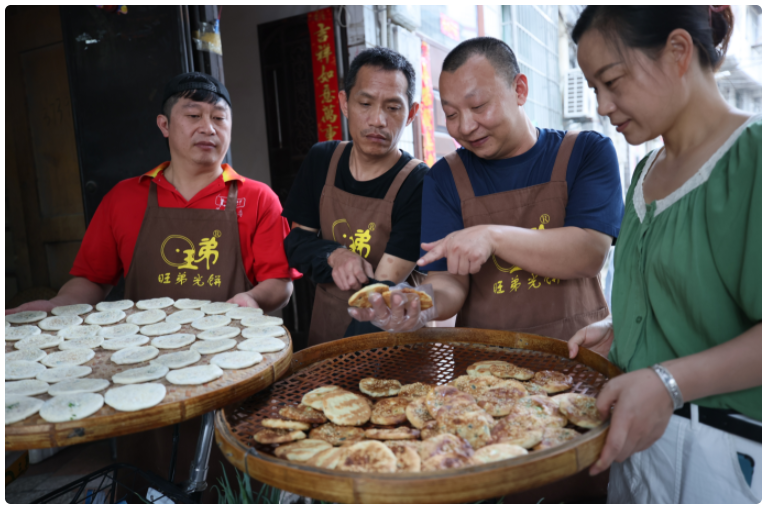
[
  {"x": 68, "y": 358},
  {"x": 244, "y": 312},
  {"x": 552, "y": 381},
  {"x": 262, "y": 345},
  {"x": 177, "y": 360},
  {"x": 29, "y": 316},
  {"x": 302, "y": 413},
  {"x": 157, "y": 329},
  {"x": 362, "y": 297},
  {"x": 398, "y": 433},
  {"x": 261, "y": 331},
  {"x": 345, "y": 408},
  {"x": 389, "y": 411},
  {"x": 82, "y": 343},
  {"x": 42, "y": 341},
  {"x": 140, "y": 374},
  {"x": 447, "y": 461},
  {"x": 407, "y": 458},
  {"x": 498, "y": 400},
  {"x": 26, "y": 387},
  {"x": 186, "y": 303},
  {"x": 579, "y": 409},
  {"x": 301, "y": 451},
  {"x": 147, "y": 317},
  {"x": 417, "y": 413},
  {"x": 276, "y": 423},
  {"x": 313, "y": 398},
  {"x": 379, "y": 387},
  {"x": 20, "y": 407},
  {"x": 72, "y": 310},
  {"x": 119, "y": 331},
  {"x": 426, "y": 302},
  {"x": 368, "y": 457},
  {"x": 218, "y": 308},
  {"x": 184, "y": 317},
  {"x": 327, "y": 458},
  {"x": 21, "y": 332},
  {"x": 79, "y": 331},
  {"x": 415, "y": 390},
  {"x": 524, "y": 431},
  {"x": 124, "y": 342},
  {"x": 135, "y": 397},
  {"x": 337, "y": 435},
  {"x": 87, "y": 385},
  {"x": 69, "y": 407},
  {"x": 21, "y": 369},
  {"x": 509, "y": 370},
  {"x": 554, "y": 436},
  {"x": 26, "y": 354},
  {"x": 131, "y": 355},
  {"x": 278, "y": 436},
  {"x": 445, "y": 443},
  {"x": 197, "y": 375},
  {"x": 63, "y": 373},
  {"x": 155, "y": 303},
  {"x": 499, "y": 451},
  {"x": 483, "y": 368},
  {"x": 118, "y": 305},
  {"x": 107, "y": 317},
  {"x": 209, "y": 322},
  {"x": 209, "y": 347},
  {"x": 234, "y": 360},
  {"x": 224, "y": 332},
  {"x": 475, "y": 386},
  {"x": 174, "y": 341}
]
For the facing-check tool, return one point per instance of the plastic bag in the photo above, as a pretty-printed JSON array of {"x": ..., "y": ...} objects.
[{"x": 400, "y": 317}]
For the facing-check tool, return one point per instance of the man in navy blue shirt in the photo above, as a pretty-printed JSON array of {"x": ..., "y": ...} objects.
[{"x": 516, "y": 225}]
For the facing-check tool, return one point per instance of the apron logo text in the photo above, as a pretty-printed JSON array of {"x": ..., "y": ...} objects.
[
  {"x": 359, "y": 242},
  {"x": 207, "y": 250}
]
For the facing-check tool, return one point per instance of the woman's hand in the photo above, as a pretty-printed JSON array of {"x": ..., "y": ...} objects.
[
  {"x": 597, "y": 337},
  {"x": 45, "y": 305},
  {"x": 403, "y": 316},
  {"x": 244, "y": 300},
  {"x": 642, "y": 410}
]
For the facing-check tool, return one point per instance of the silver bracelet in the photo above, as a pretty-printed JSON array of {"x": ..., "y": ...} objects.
[{"x": 670, "y": 385}]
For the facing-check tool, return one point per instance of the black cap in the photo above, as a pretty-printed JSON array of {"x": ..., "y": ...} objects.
[{"x": 195, "y": 81}]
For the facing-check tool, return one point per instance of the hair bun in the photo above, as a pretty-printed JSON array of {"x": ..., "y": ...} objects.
[{"x": 721, "y": 25}]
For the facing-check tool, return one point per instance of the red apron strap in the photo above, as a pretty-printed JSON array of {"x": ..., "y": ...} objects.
[
  {"x": 460, "y": 175},
  {"x": 559, "y": 173},
  {"x": 393, "y": 190},
  {"x": 231, "y": 200},
  {"x": 334, "y": 163}
]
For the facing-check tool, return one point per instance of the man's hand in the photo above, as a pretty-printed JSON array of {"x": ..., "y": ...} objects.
[
  {"x": 244, "y": 300},
  {"x": 45, "y": 305},
  {"x": 466, "y": 250},
  {"x": 403, "y": 316},
  {"x": 597, "y": 337},
  {"x": 349, "y": 270}
]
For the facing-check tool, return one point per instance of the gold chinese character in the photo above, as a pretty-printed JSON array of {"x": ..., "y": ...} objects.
[
  {"x": 325, "y": 75},
  {"x": 181, "y": 278},
  {"x": 330, "y": 132},
  {"x": 324, "y": 53},
  {"x": 206, "y": 249},
  {"x": 515, "y": 284},
  {"x": 198, "y": 280},
  {"x": 532, "y": 282},
  {"x": 322, "y": 30},
  {"x": 497, "y": 287},
  {"x": 551, "y": 280},
  {"x": 188, "y": 260},
  {"x": 329, "y": 114},
  {"x": 361, "y": 243},
  {"x": 326, "y": 94},
  {"x": 214, "y": 280},
  {"x": 164, "y": 278}
]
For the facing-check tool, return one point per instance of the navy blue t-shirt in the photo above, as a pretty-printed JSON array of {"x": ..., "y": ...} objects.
[{"x": 593, "y": 184}]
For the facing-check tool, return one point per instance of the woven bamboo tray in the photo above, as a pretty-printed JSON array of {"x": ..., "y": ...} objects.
[
  {"x": 180, "y": 404},
  {"x": 434, "y": 355}
]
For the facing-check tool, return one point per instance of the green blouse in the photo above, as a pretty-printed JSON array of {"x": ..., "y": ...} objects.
[{"x": 688, "y": 267}]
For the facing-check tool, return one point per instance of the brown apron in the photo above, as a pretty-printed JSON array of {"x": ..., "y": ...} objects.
[
  {"x": 506, "y": 297},
  {"x": 185, "y": 253},
  {"x": 359, "y": 223}
]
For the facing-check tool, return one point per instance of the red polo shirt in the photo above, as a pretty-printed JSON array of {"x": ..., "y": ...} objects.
[{"x": 107, "y": 248}]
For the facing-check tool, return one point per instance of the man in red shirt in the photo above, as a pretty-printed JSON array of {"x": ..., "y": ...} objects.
[{"x": 191, "y": 227}]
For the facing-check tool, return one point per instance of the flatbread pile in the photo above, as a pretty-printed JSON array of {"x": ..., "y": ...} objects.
[
  {"x": 487, "y": 415},
  {"x": 362, "y": 297},
  {"x": 152, "y": 344}
]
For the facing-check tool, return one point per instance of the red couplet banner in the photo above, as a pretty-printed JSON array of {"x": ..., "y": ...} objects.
[
  {"x": 323, "y": 60},
  {"x": 427, "y": 125}
]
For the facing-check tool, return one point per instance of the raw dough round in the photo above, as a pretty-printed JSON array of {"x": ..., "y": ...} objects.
[
  {"x": 236, "y": 359},
  {"x": 186, "y": 303},
  {"x": 243, "y": 312},
  {"x": 62, "y": 373},
  {"x": 155, "y": 303},
  {"x": 119, "y": 331},
  {"x": 224, "y": 332},
  {"x": 43, "y": 341},
  {"x": 21, "y": 369},
  {"x": 156, "y": 329},
  {"x": 69, "y": 407},
  {"x": 108, "y": 317},
  {"x": 26, "y": 354},
  {"x": 177, "y": 360},
  {"x": 29, "y": 316},
  {"x": 20, "y": 332},
  {"x": 173, "y": 341},
  {"x": 134, "y": 355},
  {"x": 118, "y": 305},
  {"x": 135, "y": 397},
  {"x": 209, "y": 322},
  {"x": 68, "y": 358},
  {"x": 88, "y": 385},
  {"x": 209, "y": 347},
  {"x": 84, "y": 342},
  {"x": 147, "y": 317},
  {"x": 124, "y": 342},
  {"x": 140, "y": 374},
  {"x": 262, "y": 345},
  {"x": 258, "y": 321},
  {"x": 79, "y": 331},
  {"x": 260, "y": 331},
  {"x": 184, "y": 317},
  {"x": 72, "y": 310},
  {"x": 20, "y": 407},
  {"x": 26, "y": 387},
  {"x": 197, "y": 375},
  {"x": 218, "y": 307}
]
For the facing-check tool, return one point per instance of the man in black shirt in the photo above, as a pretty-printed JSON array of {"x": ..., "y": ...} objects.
[{"x": 355, "y": 206}]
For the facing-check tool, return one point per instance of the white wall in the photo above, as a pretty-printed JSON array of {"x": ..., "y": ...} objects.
[{"x": 242, "y": 73}]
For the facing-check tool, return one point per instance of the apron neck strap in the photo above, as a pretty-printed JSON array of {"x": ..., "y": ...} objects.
[
  {"x": 393, "y": 190},
  {"x": 153, "y": 200},
  {"x": 334, "y": 163},
  {"x": 460, "y": 175},
  {"x": 559, "y": 173},
  {"x": 231, "y": 201}
]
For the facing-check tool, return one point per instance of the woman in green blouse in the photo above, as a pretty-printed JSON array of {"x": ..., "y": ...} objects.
[{"x": 686, "y": 300}]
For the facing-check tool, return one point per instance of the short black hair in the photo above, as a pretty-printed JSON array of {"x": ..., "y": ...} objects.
[
  {"x": 197, "y": 86},
  {"x": 195, "y": 95},
  {"x": 386, "y": 59},
  {"x": 497, "y": 52}
]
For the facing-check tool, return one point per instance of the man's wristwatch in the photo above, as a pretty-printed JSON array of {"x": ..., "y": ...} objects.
[{"x": 670, "y": 385}]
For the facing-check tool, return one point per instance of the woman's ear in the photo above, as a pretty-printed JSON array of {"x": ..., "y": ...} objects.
[{"x": 679, "y": 50}]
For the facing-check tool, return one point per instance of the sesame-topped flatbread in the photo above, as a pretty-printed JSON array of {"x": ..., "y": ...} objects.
[
  {"x": 379, "y": 387},
  {"x": 445, "y": 443},
  {"x": 552, "y": 381},
  {"x": 407, "y": 458},
  {"x": 554, "y": 436},
  {"x": 415, "y": 390},
  {"x": 524, "y": 431},
  {"x": 327, "y": 458},
  {"x": 498, "y": 400},
  {"x": 426, "y": 302},
  {"x": 302, "y": 413},
  {"x": 336, "y": 435},
  {"x": 368, "y": 457},
  {"x": 345, "y": 408},
  {"x": 581, "y": 410},
  {"x": 361, "y": 297},
  {"x": 499, "y": 451},
  {"x": 509, "y": 370},
  {"x": 301, "y": 451},
  {"x": 447, "y": 461},
  {"x": 398, "y": 433},
  {"x": 277, "y": 436},
  {"x": 313, "y": 398},
  {"x": 391, "y": 411},
  {"x": 483, "y": 368},
  {"x": 276, "y": 423},
  {"x": 417, "y": 413}
]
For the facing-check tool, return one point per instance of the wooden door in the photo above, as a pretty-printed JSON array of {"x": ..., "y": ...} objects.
[{"x": 45, "y": 220}]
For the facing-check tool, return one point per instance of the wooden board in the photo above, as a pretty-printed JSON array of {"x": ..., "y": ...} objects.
[
  {"x": 433, "y": 355},
  {"x": 181, "y": 402}
]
